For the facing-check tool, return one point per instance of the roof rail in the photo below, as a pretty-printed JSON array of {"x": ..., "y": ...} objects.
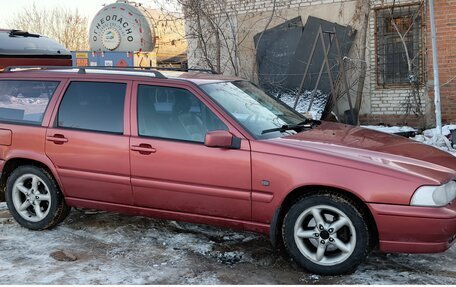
[
  {"x": 186, "y": 70},
  {"x": 10, "y": 69},
  {"x": 82, "y": 70}
]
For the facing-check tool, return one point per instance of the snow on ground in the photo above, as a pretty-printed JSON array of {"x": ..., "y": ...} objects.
[
  {"x": 440, "y": 142},
  {"x": 117, "y": 249},
  {"x": 446, "y": 130}
]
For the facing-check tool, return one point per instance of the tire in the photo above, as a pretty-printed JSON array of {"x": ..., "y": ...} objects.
[
  {"x": 34, "y": 198},
  {"x": 66, "y": 210},
  {"x": 334, "y": 246}
]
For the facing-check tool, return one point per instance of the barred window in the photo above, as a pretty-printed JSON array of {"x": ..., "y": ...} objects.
[{"x": 396, "y": 26}]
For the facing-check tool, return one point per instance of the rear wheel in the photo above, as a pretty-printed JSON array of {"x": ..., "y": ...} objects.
[
  {"x": 34, "y": 199},
  {"x": 326, "y": 234}
]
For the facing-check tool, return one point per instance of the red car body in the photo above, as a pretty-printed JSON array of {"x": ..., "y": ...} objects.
[{"x": 246, "y": 188}]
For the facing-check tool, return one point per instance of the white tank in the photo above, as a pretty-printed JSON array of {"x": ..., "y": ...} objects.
[
  {"x": 126, "y": 26},
  {"x": 122, "y": 26}
]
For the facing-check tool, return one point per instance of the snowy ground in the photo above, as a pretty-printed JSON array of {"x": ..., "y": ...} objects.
[{"x": 117, "y": 249}]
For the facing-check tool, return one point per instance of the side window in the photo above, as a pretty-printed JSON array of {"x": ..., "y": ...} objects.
[
  {"x": 25, "y": 101},
  {"x": 93, "y": 106},
  {"x": 173, "y": 113}
]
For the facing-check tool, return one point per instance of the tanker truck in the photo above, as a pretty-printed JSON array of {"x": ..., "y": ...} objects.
[{"x": 126, "y": 33}]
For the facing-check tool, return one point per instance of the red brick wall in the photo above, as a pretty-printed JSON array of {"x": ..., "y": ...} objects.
[{"x": 445, "y": 18}]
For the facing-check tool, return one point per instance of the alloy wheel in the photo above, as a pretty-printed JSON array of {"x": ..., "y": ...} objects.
[
  {"x": 31, "y": 197},
  {"x": 325, "y": 235}
]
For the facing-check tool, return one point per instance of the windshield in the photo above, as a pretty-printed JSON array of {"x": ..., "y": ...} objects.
[{"x": 256, "y": 111}]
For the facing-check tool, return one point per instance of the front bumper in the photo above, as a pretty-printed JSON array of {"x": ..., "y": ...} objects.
[{"x": 410, "y": 229}]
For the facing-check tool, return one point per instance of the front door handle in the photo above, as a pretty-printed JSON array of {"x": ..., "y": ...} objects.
[
  {"x": 57, "y": 139},
  {"x": 143, "y": 149}
]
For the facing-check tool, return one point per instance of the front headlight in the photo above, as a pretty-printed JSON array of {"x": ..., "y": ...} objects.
[{"x": 436, "y": 196}]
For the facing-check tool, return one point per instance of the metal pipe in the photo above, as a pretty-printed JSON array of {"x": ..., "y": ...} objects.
[{"x": 438, "y": 107}]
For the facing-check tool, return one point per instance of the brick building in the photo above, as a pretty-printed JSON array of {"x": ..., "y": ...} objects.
[
  {"x": 388, "y": 96},
  {"x": 445, "y": 13}
]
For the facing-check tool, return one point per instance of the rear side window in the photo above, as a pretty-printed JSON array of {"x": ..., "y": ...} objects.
[
  {"x": 93, "y": 106},
  {"x": 25, "y": 102}
]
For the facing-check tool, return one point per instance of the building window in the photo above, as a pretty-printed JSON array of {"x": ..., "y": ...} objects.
[{"x": 397, "y": 26}]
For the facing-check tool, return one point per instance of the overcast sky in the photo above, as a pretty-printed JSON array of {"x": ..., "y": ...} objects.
[{"x": 89, "y": 8}]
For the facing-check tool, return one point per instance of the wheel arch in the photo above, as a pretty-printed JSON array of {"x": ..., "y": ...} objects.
[
  {"x": 306, "y": 191},
  {"x": 12, "y": 163}
]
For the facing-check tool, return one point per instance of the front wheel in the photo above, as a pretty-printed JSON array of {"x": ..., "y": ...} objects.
[
  {"x": 34, "y": 199},
  {"x": 326, "y": 234}
]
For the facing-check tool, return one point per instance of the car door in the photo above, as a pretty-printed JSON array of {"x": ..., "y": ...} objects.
[
  {"x": 89, "y": 141},
  {"x": 172, "y": 169}
]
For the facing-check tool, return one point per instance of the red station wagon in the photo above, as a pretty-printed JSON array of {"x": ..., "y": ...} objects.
[{"x": 215, "y": 150}]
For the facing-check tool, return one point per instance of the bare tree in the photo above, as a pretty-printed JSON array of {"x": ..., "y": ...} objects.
[
  {"x": 361, "y": 15},
  {"x": 214, "y": 29},
  {"x": 219, "y": 31},
  {"x": 66, "y": 26},
  {"x": 204, "y": 31}
]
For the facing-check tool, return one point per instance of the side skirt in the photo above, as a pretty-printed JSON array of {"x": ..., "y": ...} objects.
[{"x": 170, "y": 215}]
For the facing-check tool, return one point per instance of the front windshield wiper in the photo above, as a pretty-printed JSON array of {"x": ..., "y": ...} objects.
[
  {"x": 285, "y": 128},
  {"x": 310, "y": 121},
  {"x": 307, "y": 124}
]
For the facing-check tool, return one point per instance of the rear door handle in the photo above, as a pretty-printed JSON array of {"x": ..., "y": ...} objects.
[
  {"x": 57, "y": 139},
  {"x": 143, "y": 149}
]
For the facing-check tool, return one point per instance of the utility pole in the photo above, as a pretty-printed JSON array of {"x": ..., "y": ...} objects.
[{"x": 438, "y": 107}]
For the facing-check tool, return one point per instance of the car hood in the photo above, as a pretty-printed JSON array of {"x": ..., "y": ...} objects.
[{"x": 364, "y": 145}]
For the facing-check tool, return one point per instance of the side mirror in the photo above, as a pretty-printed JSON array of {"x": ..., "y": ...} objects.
[{"x": 222, "y": 139}]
